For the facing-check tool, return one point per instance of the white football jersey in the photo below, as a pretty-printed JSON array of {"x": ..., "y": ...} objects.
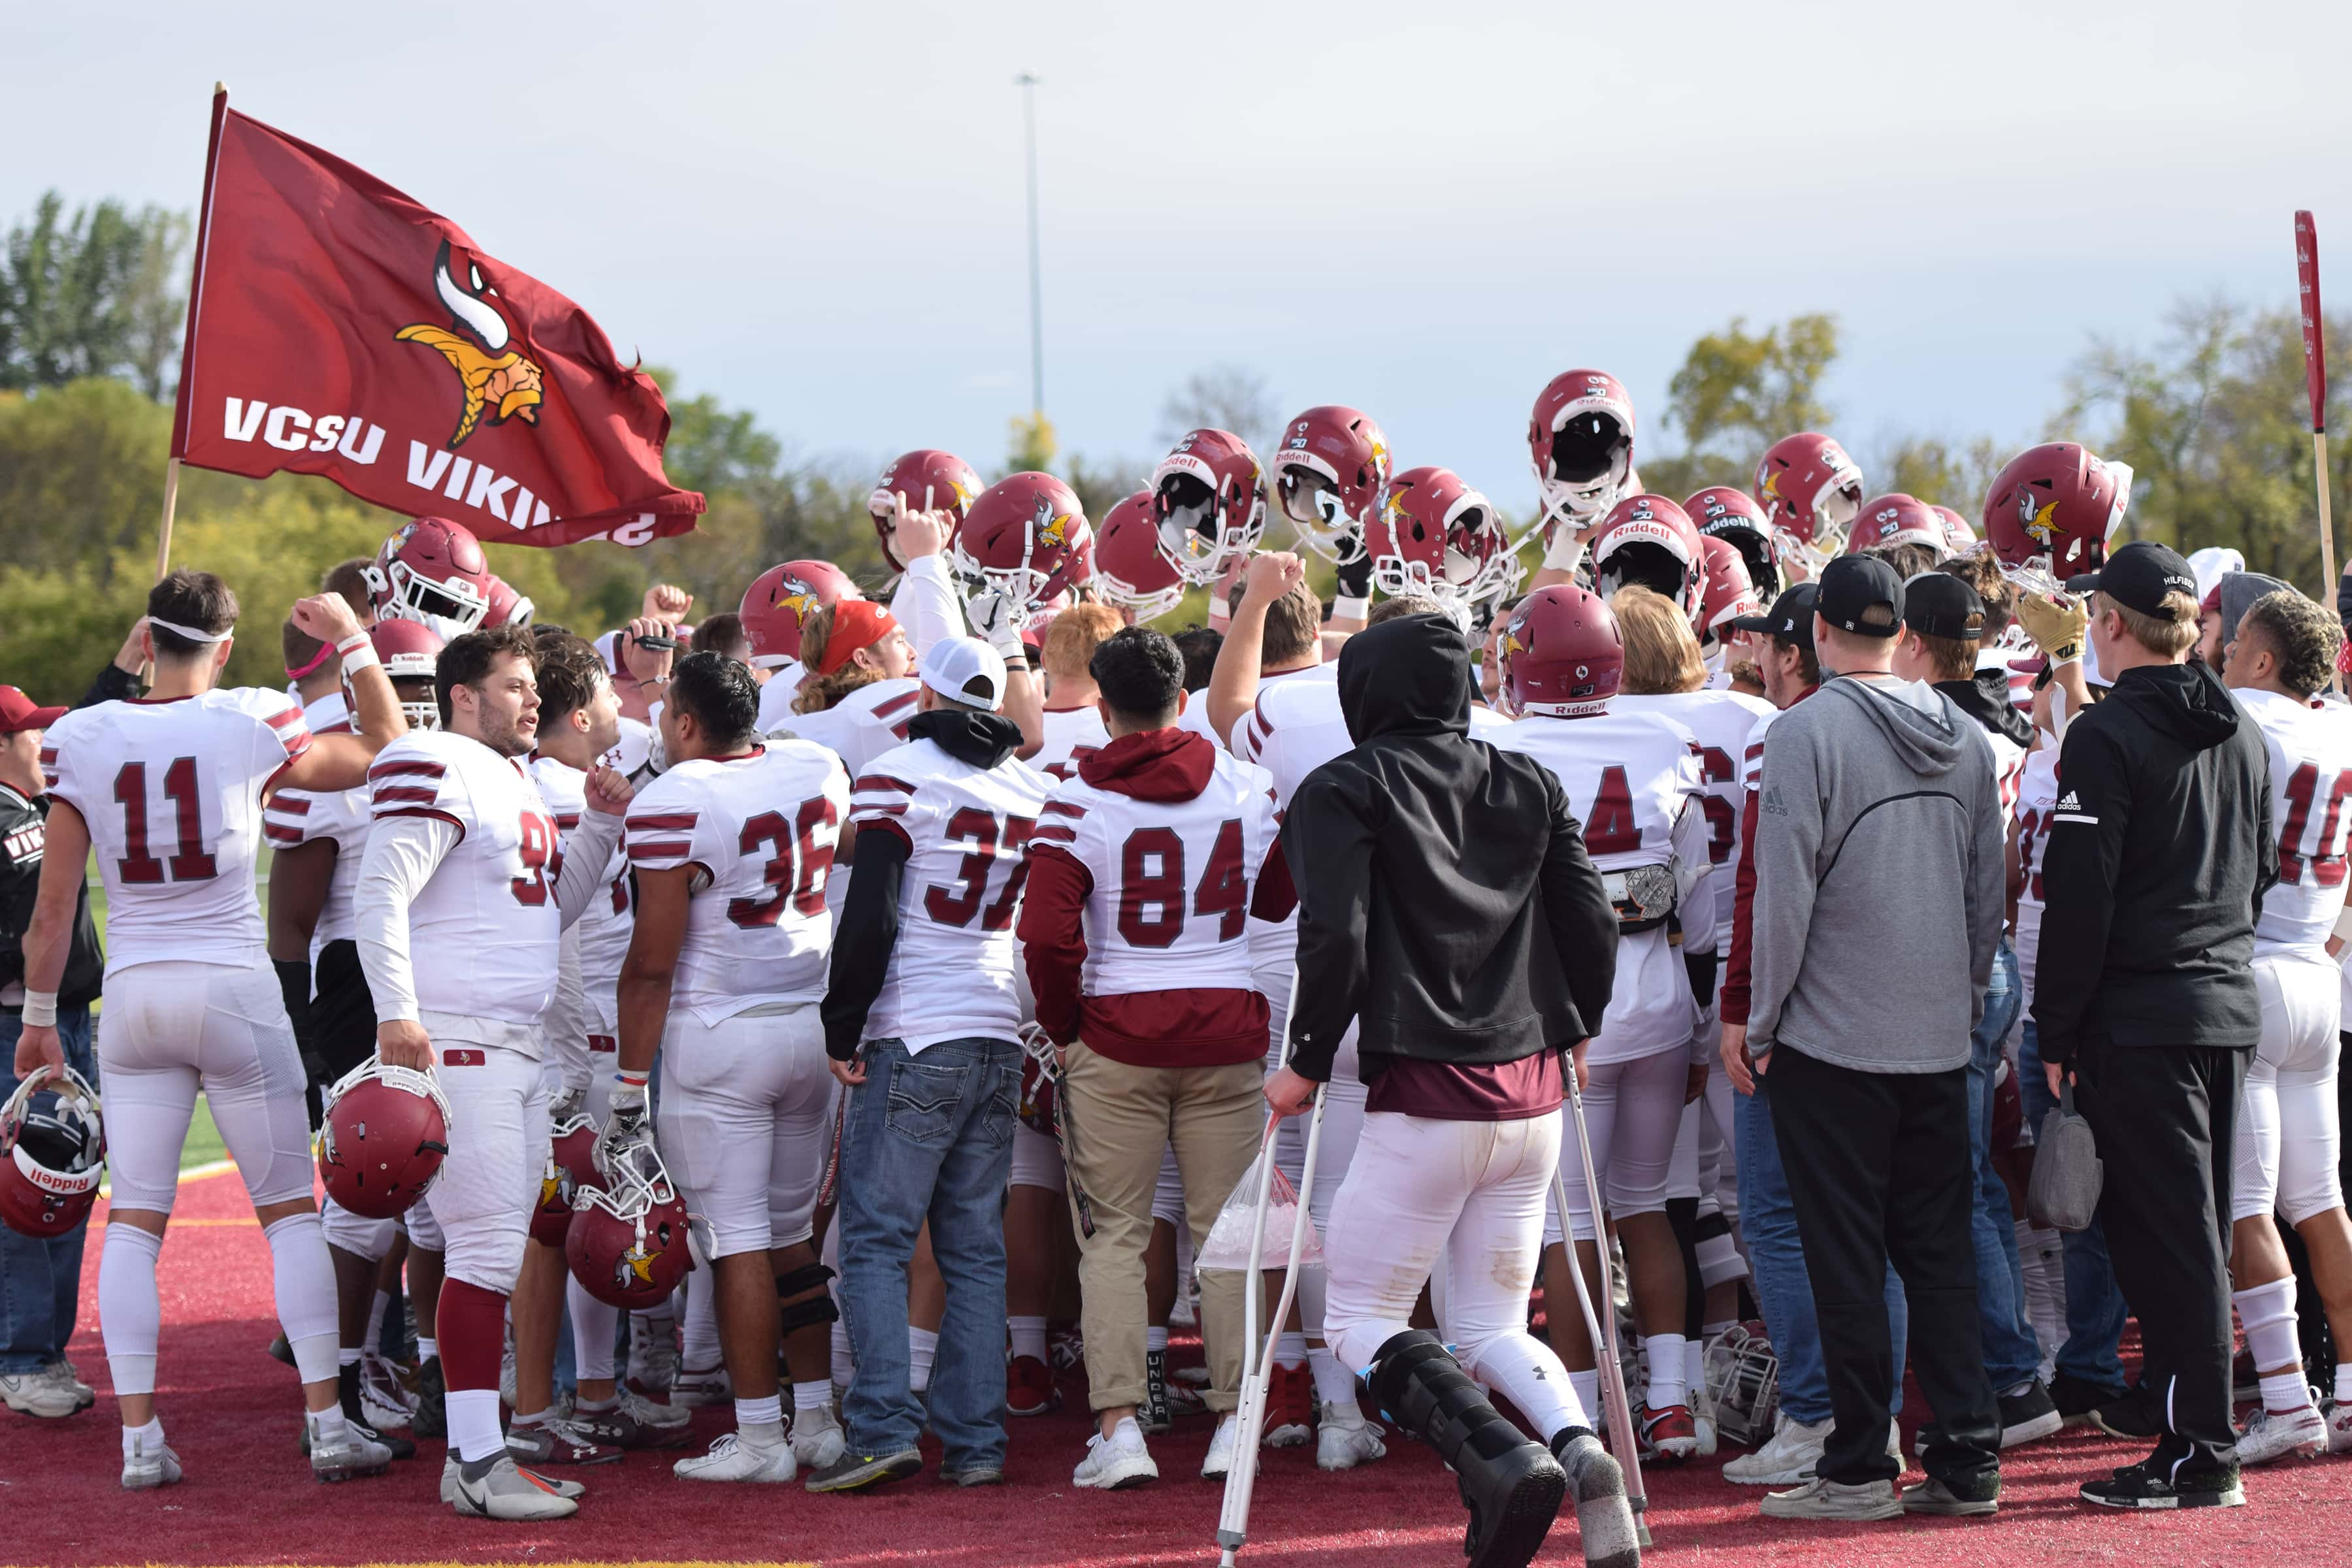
[
  {"x": 953, "y": 971},
  {"x": 1195, "y": 717},
  {"x": 1634, "y": 781},
  {"x": 1294, "y": 727},
  {"x": 2037, "y": 797},
  {"x": 172, "y": 791},
  {"x": 601, "y": 932},
  {"x": 759, "y": 830},
  {"x": 1172, "y": 880},
  {"x": 295, "y": 816},
  {"x": 863, "y": 725},
  {"x": 776, "y": 697},
  {"x": 1721, "y": 722},
  {"x": 1072, "y": 735},
  {"x": 2310, "y": 746},
  {"x": 483, "y": 933}
]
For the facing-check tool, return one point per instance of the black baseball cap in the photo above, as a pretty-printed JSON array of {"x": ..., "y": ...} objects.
[
  {"x": 2138, "y": 576},
  {"x": 1790, "y": 618},
  {"x": 1851, "y": 586},
  {"x": 1938, "y": 605}
]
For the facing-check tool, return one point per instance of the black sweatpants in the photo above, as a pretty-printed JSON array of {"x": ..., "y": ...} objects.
[
  {"x": 1879, "y": 1168},
  {"x": 2163, "y": 1117}
]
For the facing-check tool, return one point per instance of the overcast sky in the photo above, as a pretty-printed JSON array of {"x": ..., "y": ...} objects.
[{"x": 1423, "y": 209}]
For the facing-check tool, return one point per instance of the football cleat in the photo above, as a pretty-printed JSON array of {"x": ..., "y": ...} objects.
[
  {"x": 349, "y": 1456},
  {"x": 151, "y": 1466},
  {"x": 507, "y": 1491},
  {"x": 1666, "y": 1437},
  {"x": 2272, "y": 1435},
  {"x": 558, "y": 1441},
  {"x": 1344, "y": 1439},
  {"x": 1289, "y": 1407},
  {"x": 732, "y": 1459},
  {"x": 694, "y": 1388},
  {"x": 818, "y": 1438}
]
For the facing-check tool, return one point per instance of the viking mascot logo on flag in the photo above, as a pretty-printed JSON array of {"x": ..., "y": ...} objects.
[{"x": 494, "y": 376}]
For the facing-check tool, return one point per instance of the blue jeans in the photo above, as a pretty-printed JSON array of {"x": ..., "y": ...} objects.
[
  {"x": 1768, "y": 1217},
  {"x": 2012, "y": 1356},
  {"x": 2094, "y": 1303},
  {"x": 929, "y": 1137},
  {"x": 40, "y": 1281}
]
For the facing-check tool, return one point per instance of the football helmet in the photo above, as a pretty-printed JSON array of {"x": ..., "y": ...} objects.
[
  {"x": 777, "y": 604},
  {"x": 1730, "y": 513},
  {"x": 627, "y": 1244},
  {"x": 382, "y": 1135},
  {"x": 1131, "y": 569},
  {"x": 2054, "y": 507},
  {"x": 1329, "y": 468},
  {"x": 926, "y": 479},
  {"x": 1742, "y": 1377},
  {"x": 1027, "y": 539},
  {"x": 52, "y": 1155},
  {"x": 1650, "y": 541},
  {"x": 1810, "y": 491},
  {"x": 408, "y": 650},
  {"x": 1729, "y": 590},
  {"x": 571, "y": 1169},
  {"x": 432, "y": 571},
  {"x": 1581, "y": 440},
  {"x": 1894, "y": 518},
  {"x": 1208, "y": 498},
  {"x": 1561, "y": 652},
  {"x": 1434, "y": 536},
  {"x": 507, "y": 606},
  {"x": 1958, "y": 537}
]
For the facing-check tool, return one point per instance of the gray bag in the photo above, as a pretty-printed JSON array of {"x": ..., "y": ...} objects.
[{"x": 2067, "y": 1175}]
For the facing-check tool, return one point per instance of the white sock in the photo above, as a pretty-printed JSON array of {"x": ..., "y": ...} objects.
[
  {"x": 1587, "y": 1386},
  {"x": 130, "y": 1310},
  {"x": 427, "y": 1347},
  {"x": 1334, "y": 1383},
  {"x": 345, "y": 1357},
  {"x": 922, "y": 1349},
  {"x": 302, "y": 1276},
  {"x": 593, "y": 1325},
  {"x": 700, "y": 1349},
  {"x": 137, "y": 1440},
  {"x": 2285, "y": 1390},
  {"x": 759, "y": 1415},
  {"x": 1666, "y": 1375},
  {"x": 474, "y": 1425},
  {"x": 815, "y": 1396},
  {"x": 1290, "y": 1349},
  {"x": 1524, "y": 1370},
  {"x": 2268, "y": 1313},
  {"x": 1693, "y": 1370},
  {"x": 376, "y": 1310},
  {"x": 595, "y": 1406},
  {"x": 1029, "y": 1337},
  {"x": 1155, "y": 1341},
  {"x": 541, "y": 1419}
]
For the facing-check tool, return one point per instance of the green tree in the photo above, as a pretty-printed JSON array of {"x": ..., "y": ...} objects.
[
  {"x": 1740, "y": 391},
  {"x": 95, "y": 294},
  {"x": 1938, "y": 473},
  {"x": 1032, "y": 447}
]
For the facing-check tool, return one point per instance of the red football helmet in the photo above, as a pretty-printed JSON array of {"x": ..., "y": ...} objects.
[
  {"x": 52, "y": 1157},
  {"x": 1810, "y": 491},
  {"x": 1895, "y": 518},
  {"x": 1650, "y": 541},
  {"x": 1208, "y": 498},
  {"x": 1435, "y": 536},
  {"x": 777, "y": 604},
  {"x": 1730, "y": 591},
  {"x": 627, "y": 1243},
  {"x": 1958, "y": 537},
  {"x": 2056, "y": 506},
  {"x": 571, "y": 1169},
  {"x": 1028, "y": 539},
  {"x": 1730, "y": 513},
  {"x": 1130, "y": 569},
  {"x": 432, "y": 570},
  {"x": 1580, "y": 438},
  {"x": 1562, "y": 655},
  {"x": 507, "y": 607},
  {"x": 408, "y": 650},
  {"x": 382, "y": 1135},
  {"x": 1329, "y": 468},
  {"x": 926, "y": 479}
]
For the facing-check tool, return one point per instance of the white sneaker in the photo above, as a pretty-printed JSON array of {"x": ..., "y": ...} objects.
[
  {"x": 1344, "y": 1439},
  {"x": 1788, "y": 1460},
  {"x": 347, "y": 1457},
  {"x": 1119, "y": 1461},
  {"x": 38, "y": 1394},
  {"x": 817, "y": 1437},
  {"x": 1221, "y": 1448},
  {"x": 733, "y": 1459},
  {"x": 451, "y": 1476},
  {"x": 1705, "y": 1427},
  {"x": 150, "y": 1467},
  {"x": 1818, "y": 1498},
  {"x": 692, "y": 1388},
  {"x": 2275, "y": 1433},
  {"x": 507, "y": 1491},
  {"x": 653, "y": 1412}
]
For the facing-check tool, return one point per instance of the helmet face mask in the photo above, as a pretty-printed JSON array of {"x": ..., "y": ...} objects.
[
  {"x": 1329, "y": 468},
  {"x": 1434, "y": 536},
  {"x": 1580, "y": 442},
  {"x": 52, "y": 1156},
  {"x": 369, "y": 1163},
  {"x": 628, "y": 1244},
  {"x": 1027, "y": 540},
  {"x": 1208, "y": 500}
]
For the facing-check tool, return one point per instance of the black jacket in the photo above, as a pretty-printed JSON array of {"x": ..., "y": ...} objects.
[
  {"x": 1445, "y": 899},
  {"x": 1984, "y": 697},
  {"x": 2161, "y": 850},
  {"x": 23, "y": 839}
]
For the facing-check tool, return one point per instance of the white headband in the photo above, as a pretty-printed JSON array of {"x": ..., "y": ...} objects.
[{"x": 191, "y": 633}]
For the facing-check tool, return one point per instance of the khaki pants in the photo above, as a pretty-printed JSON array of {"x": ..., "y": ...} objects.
[{"x": 1119, "y": 1118}]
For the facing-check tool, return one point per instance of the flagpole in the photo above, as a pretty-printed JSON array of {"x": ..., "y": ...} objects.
[{"x": 188, "y": 343}]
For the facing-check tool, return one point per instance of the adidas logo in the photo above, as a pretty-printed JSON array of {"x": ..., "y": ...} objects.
[
  {"x": 2069, "y": 802},
  {"x": 1772, "y": 806}
]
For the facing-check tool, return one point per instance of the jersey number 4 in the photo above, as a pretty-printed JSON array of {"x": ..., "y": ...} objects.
[
  {"x": 796, "y": 871},
  {"x": 189, "y": 861},
  {"x": 1151, "y": 878},
  {"x": 991, "y": 842},
  {"x": 2325, "y": 858}
]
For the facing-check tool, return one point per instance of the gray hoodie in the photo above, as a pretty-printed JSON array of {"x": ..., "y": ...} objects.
[{"x": 1879, "y": 882}]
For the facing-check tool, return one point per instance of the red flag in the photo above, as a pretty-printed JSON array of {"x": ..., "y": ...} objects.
[{"x": 338, "y": 328}]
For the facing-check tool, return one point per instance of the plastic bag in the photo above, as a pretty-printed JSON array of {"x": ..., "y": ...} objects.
[{"x": 1228, "y": 1245}]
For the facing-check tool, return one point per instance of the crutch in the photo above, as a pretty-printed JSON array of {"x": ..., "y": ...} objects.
[
  {"x": 1601, "y": 1327},
  {"x": 1241, "y": 1480}
]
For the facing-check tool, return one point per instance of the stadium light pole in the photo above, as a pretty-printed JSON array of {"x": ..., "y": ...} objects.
[{"x": 1027, "y": 82}]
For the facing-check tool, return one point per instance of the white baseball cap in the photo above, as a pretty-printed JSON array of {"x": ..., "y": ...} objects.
[{"x": 966, "y": 670}]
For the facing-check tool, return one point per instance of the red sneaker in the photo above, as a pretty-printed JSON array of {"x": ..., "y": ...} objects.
[
  {"x": 1029, "y": 1388},
  {"x": 1668, "y": 1437},
  {"x": 1290, "y": 1407}
]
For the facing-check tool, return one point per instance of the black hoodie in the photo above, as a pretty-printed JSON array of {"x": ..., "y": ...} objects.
[
  {"x": 1447, "y": 901},
  {"x": 2161, "y": 850},
  {"x": 1984, "y": 697}
]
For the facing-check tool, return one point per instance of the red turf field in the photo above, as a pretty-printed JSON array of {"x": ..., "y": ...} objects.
[{"x": 231, "y": 1414}]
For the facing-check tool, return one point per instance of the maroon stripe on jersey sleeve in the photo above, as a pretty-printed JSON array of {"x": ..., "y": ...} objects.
[
  {"x": 671, "y": 822},
  {"x": 566, "y": 821},
  {"x": 895, "y": 705},
  {"x": 404, "y": 795},
  {"x": 1062, "y": 808},
  {"x": 396, "y": 769},
  {"x": 290, "y": 804},
  {"x": 48, "y": 755},
  {"x": 665, "y": 850},
  {"x": 296, "y": 743},
  {"x": 278, "y": 833},
  {"x": 283, "y": 717},
  {"x": 881, "y": 781}
]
